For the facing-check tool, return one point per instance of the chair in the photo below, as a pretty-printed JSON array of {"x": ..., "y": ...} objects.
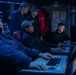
[{"x": 17, "y": 35}]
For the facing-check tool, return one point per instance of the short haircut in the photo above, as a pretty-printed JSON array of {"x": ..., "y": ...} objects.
[
  {"x": 34, "y": 8},
  {"x": 24, "y": 4},
  {"x": 60, "y": 24}
]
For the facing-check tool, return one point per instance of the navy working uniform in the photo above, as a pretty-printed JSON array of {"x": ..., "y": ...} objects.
[
  {"x": 16, "y": 20},
  {"x": 15, "y": 51}
]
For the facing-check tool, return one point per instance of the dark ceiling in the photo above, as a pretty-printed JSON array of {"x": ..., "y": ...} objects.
[
  {"x": 5, "y": 6},
  {"x": 48, "y": 2},
  {"x": 45, "y": 2}
]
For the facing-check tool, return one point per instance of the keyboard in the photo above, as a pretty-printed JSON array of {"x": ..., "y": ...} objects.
[
  {"x": 53, "y": 62},
  {"x": 66, "y": 51},
  {"x": 55, "y": 66}
]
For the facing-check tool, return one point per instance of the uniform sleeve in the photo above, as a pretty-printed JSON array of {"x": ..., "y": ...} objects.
[
  {"x": 30, "y": 51},
  {"x": 29, "y": 42},
  {"x": 15, "y": 22},
  {"x": 55, "y": 38},
  {"x": 18, "y": 57}
]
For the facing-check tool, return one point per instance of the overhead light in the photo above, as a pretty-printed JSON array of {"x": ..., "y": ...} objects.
[
  {"x": 9, "y": 2},
  {"x": 73, "y": 11},
  {"x": 1, "y": 12},
  {"x": 55, "y": 4}
]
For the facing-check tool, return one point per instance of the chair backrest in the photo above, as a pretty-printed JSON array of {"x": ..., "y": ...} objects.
[{"x": 17, "y": 35}]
